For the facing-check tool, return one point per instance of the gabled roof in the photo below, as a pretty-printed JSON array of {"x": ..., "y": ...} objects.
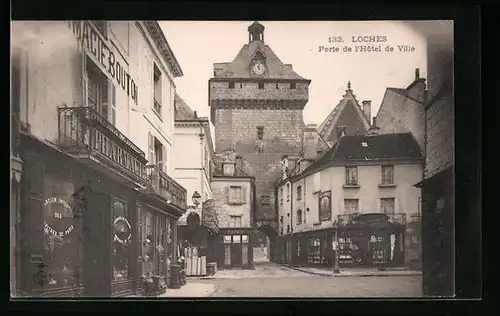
[
  {"x": 240, "y": 66},
  {"x": 378, "y": 147},
  {"x": 182, "y": 110},
  {"x": 331, "y": 122}
]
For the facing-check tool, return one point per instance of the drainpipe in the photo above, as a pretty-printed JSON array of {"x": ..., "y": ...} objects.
[{"x": 291, "y": 220}]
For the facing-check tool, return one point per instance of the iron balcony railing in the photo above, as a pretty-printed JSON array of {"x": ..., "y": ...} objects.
[
  {"x": 83, "y": 131},
  {"x": 166, "y": 187},
  {"x": 397, "y": 218},
  {"x": 343, "y": 219}
]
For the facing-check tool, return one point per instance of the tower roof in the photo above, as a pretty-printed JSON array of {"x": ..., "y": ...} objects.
[{"x": 256, "y": 26}]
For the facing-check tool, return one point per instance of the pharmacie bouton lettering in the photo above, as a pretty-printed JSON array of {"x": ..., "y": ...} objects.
[{"x": 95, "y": 44}]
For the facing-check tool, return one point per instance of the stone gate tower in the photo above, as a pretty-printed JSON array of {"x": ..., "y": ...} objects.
[{"x": 256, "y": 105}]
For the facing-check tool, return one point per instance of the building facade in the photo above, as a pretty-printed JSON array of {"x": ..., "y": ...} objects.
[
  {"x": 194, "y": 158},
  {"x": 403, "y": 110},
  {"x": 438, "y": 198},
  {"x": 98, "y": 205},
  {"x": 256, "y": 104},
  {"x": 234, "y": 195},
  {"x": 359, "y": 194}
]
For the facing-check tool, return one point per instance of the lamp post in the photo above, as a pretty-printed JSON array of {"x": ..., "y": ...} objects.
[
  {"x": 336, "y": 269},
  {"x": 196, "y": 199}
]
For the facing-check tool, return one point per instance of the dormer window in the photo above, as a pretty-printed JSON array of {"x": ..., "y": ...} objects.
[{"x": 228, "y": 168}]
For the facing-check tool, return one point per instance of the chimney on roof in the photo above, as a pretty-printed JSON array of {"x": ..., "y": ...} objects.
[
  {"x": 195, "y": 114},
  {"x": 417, "y": 89},
  {"x": 239, "y": 162},
  {"x": 374, "y": 129},
  {"x": 367, "y": 109},
  {"x": 310, "y": 140}
]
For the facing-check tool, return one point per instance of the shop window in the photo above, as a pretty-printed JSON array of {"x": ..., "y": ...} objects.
[
  {"x": 227, "y": 250},
  {"x": 62, "y": 248},
  {"x": 387, "y": 174},
  {"x": 297, "y": 248},
  {"x": 147, "y": 244},
  {"x": 236, "y": 239},
  {"x": 161, "y": 240},
  {"x": 314, "y": 250},
  {"x": 351, "y": 175},
  {"x": 121, "y": 240}
]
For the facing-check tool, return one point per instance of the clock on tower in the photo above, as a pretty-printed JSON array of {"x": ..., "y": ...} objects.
[{"x": 258, "y": 68}]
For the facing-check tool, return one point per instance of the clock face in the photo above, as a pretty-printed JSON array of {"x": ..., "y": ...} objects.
[{"x": 258, "y": 68}]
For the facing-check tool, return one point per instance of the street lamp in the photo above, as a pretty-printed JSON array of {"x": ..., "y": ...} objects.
[
  {"x": 196, "y": 198},
  {"x": 336, "y": 269}
]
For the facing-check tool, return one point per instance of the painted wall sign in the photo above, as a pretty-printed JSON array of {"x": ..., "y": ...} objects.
[
  {"x": 60, "y": 222},
  {"x": 103, "y": 52},
  {"x": 122, "y": 230}
]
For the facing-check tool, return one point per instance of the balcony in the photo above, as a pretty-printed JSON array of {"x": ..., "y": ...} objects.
[
  {"x": 166, "y": 187},
  {"x": 397, "y": 218},
  {"x": 84, "y": 133}
]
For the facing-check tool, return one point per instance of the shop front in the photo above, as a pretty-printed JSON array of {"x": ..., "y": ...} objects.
[
  {"x": 234, "y": 248},
  {"x": 84, "y": 230},
  {"x": 312, "y": 248},
  {"x": 371, "y": 240},
  {"x": 198, "y": 239}
]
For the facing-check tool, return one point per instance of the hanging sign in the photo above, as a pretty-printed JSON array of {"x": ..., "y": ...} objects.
[
  {"x": 122, "y": 230},
  {"x": 59, "y": 223}
]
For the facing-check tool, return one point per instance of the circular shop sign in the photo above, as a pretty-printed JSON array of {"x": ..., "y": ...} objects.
[
  {"x": 122, "y": 229},
  {"x": 60, "y": 222}
]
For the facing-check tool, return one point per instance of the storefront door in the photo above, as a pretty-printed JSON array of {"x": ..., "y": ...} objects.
[
  {"x": 236, "y": 252},
  {"x": 97, "y": 270}
]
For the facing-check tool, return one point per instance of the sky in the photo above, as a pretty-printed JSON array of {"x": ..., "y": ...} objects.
[{"x": 197, "y": 45}]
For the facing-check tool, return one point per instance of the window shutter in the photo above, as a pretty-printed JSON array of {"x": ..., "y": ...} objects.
[
  {"x": 397, "y": 206},
  {"x": 164, "y": 158},
  {"x": 243, "y": 195},
  {"x": 360, "y": 206},
  {"x": 379, "y": 210},
  {"x": 112, "y": 114},
  {"x": 151, "y": 147},
  {"x": 226, "y": 194}
]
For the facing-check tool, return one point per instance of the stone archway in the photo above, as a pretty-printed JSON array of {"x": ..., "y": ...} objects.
[{"x": 265, "y": 245}]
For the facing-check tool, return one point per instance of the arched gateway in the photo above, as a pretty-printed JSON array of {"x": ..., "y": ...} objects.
[{"x": 265, "y": 247}]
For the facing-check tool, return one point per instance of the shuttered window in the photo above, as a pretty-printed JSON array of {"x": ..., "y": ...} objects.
[
  {"x": 236, "y": 195},
  {"x": 151, "y": 149}
]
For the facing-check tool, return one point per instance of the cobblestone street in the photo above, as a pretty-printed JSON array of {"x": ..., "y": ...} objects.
[{"x": 271, "y": 280}]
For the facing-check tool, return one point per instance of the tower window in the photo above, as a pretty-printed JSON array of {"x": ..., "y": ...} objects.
[
  {"x": 261, "y": 85},
  {"x": 231, "y": 85},
  {"x": 293, "y": 85},
  {"x": 260, "y": 133}
]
